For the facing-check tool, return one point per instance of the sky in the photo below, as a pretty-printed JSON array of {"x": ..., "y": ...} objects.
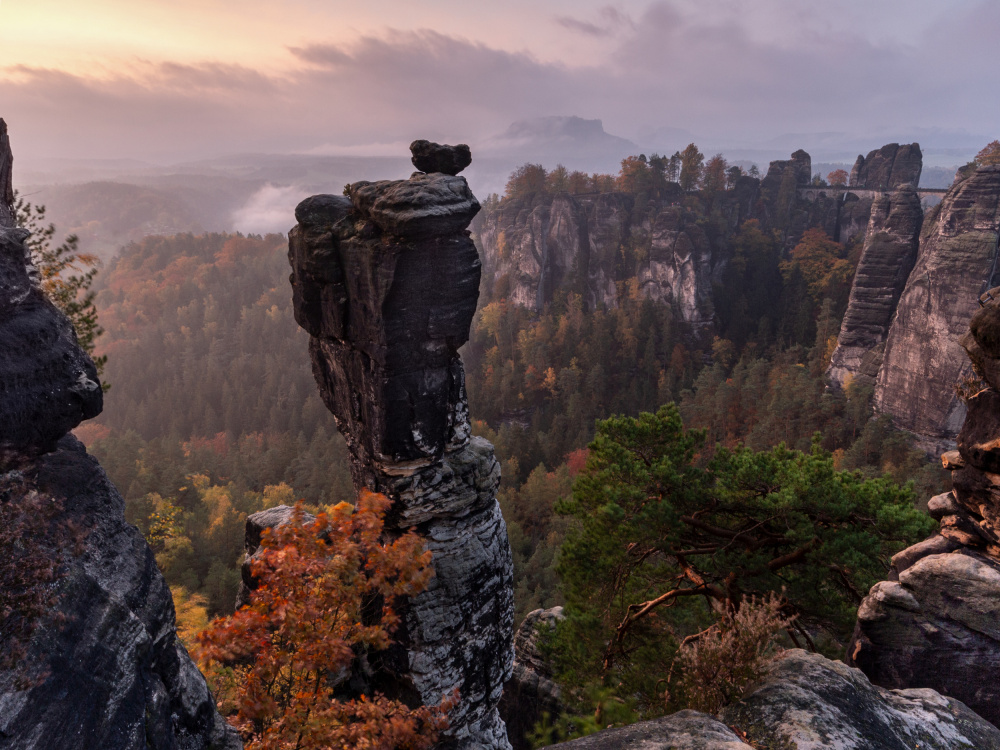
[{"x": 169, "y": 80}]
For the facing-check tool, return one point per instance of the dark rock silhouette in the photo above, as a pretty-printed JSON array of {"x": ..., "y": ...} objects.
[
  {"x": 6, "y": 181},
  {"x": 385, "y": 280},
  {"x": 112, "y": 674},
  {"x": 434, "y": 157}
]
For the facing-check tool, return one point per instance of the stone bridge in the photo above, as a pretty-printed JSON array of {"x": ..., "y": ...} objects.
[{"x": 812, "y": 192}]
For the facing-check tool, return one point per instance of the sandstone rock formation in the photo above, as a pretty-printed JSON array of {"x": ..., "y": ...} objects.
[
  {"x": 433, "y": 157},
  {"x": 684, "y": 730},
  {"x": 112, "y": 674},
  {"x": 808, "y": 702},
  {"x": 934, "y": 623},
  {"x": 889, "y": 167},
  {"x": 923, "y": 360},
  {"x": 385, "y": 280},
  {"x": 887, "y": 258},
  {"x": 531, "y": 690}
]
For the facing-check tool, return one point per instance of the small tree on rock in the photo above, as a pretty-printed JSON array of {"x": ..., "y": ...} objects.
[{"x": 327, "y": 593}]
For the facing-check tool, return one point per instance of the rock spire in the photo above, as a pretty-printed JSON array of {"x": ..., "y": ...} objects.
[
  {"x": 108, "y": 668},
  {"x": 385, "y": 280}
]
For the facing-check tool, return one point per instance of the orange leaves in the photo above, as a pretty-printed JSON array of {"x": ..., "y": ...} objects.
[{"x": 327, "y": 591}]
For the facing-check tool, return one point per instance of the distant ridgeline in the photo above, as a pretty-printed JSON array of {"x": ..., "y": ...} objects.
[{"x": 699, "y": 250}]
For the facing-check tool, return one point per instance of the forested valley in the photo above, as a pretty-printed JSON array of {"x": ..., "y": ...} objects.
[{"x": 213, "y": 413}]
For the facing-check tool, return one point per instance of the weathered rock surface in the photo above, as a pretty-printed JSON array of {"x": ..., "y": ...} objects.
[
  {"x": 808, "y": 702},
  {"x": 889, "y": 252},
  {"x": 923, "y": 360},
  {"x": 936, "y": 627},
  {"x": 530, "y": 692},
  {"x": 386, "y": 281},
  {"x": 118, "y": 676},
  {"x": 684, "y": 730},
  {"x": 889, "y": 167},
  {"x": 113, "y": 674},
  {"x": 537, "y": 245},
  {"x": 434, "y": 157}
]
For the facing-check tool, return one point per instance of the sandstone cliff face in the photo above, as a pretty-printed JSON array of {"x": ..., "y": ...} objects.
[
  {"x": 542, "y": 243},
  {"x": 386, "y": 281},
  {"x": 889, "y": 167},
  {"x": 112, "y": 674},
  {"x": 923, "y": 360},
  {"x": 535, "y": 246},
  {"x": 889, "y": 252}
]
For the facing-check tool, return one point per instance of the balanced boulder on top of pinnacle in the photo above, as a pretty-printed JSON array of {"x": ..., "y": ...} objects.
[{"x": 435, "y": 157}]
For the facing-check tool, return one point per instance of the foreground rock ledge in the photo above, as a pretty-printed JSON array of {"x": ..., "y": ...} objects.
[
  {"x": 385, "y": 280},
  {"x": 808, "y": 702}
]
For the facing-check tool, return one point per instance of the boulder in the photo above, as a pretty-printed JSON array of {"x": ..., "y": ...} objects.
[
  {"x": 386, "y": 283},
  {"x": 808, "y": 702},
  {"x": 434, "y": 157},
  {"x": 684, "y": 730},
  {"x": 937, "y": 627}
]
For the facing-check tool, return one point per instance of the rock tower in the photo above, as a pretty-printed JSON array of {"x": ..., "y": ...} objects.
[
  {"x": 107, "y": 669},
  {"x": 385, "y": 280}
]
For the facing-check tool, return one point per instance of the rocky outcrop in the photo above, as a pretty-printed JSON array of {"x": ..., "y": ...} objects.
[
  {"x": 105, "y": 670},
  {"x": 889, "y": 167},
  {"x": 531, "y": 692},
  {"x": 887, "y": 258},
  {"x": 923, "y": 360},
  {"x": 385, "y": 280},
  {"x": 808, "y": 702},
  {"x": 934, "y": 623},
  {"x": 684, "y": 730}
]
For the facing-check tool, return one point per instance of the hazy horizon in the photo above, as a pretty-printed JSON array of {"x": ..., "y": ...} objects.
[{"x": 169, "y": 81}]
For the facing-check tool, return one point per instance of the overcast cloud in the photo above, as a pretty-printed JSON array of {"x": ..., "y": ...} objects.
[{"x": 729, "y": 72}]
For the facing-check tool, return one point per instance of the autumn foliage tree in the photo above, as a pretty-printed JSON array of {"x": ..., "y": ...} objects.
[
  {"x": 838, "y": 177},
  {"x": 990, "y": 155},
  {"x": 327, "y": 593}
]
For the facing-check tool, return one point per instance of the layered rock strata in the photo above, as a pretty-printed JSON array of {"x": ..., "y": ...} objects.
[
  {"x": 385, "y": 280},
  {"x": 806, "y": 702},
  {"x": 889, "y": 167},
  {"x": 889, "y": 252},
  {"x": 105, "y": 670},
  {"x": 936, "y": 622},
  {"x": 923, "y": 360}
]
